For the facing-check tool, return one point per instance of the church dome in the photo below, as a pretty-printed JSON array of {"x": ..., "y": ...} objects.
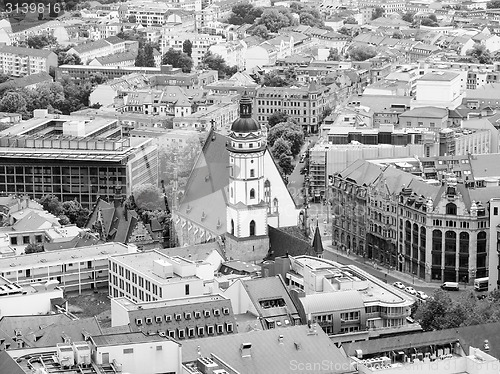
[{"x": 245, "y": 124}]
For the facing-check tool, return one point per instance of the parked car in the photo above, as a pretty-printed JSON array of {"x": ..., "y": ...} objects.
[
  {"x": 422, "y": 295},
  {"x": 410, "y": 290},
  {"x": 399, "y": 285},
  {"x": 450, "y": 286}
]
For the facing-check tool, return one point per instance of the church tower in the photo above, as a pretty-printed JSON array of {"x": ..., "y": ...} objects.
[{"x": 246, "y": 237}]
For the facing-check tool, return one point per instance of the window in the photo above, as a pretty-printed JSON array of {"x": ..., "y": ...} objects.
[
  {"x": 138, "y": 321},
  {"x": 191, "y": 332},
  {"x": 186, "y": 289},
  {"x": 149, "y": 321},
  {"x": 168, "y": 318},
  {"x": 178, "y": 316},
  {"x": 158, "y": 319},
  {"x": 171, "y": 333},
  {"x": 13, "y": 240},
  {"x": 197, "y": 315},
  {"x": 495, "y": 211},
  {"x": 128, "y": 351},
  {"x": 229, "y": 327},
  {"x": 220, "y": 329},
  {"x": 225, "y": 311},
  {"x": 159, "y": 348},
  {"x": 180, "y": 333},
  {"x": 210, "y": 330},
  {"x": 232, "y": 227},
  {"x": 252, "y": 194},
  {"x": 252, "y": 228},
  {"x": 201, "y": 331},
  {"x": 216, "y": 312},
  {"x": 187, "y": 315},
  {"x": 252, "y": 173},
  {"x": 206, "y": 313},
  {"x": 451, "y": 209}
]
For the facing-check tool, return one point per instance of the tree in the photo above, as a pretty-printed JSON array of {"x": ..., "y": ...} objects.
[
  {"x": 281, "y": 147},
  {"x": 261, "y": 31},
  {"x": 285, "y": 165},
  {"x": 275, "y": 19},
  {"x": 13, "y": 102},
  {"x": 333, "y": 55},
  {"x": 351, "y": 21},
  {"x": 64, "y": 58},
  {"x": 147, "y": 197},
  {"x": 132, "y": 19},
  {"x": 33, "y": 248},
  {"x": 362, "y": 53},
  {"x": 273, "y": 79},
  {"x": 4, "y": 77},
  {"x": 277, "y": 117},
  {"x": 145, "y": 56},
  {"x": 409, "y": 17},
  {"x": 244, "y": 13},
  {"x": 397, "y": 35},
  {"x": 178, "y": 59},
  {"x": 432, "y": 17},
  {"x": 479, "y": 54},
  {"x": 51, "y": 204},
  {"x": 213, "y": 61},
  {"x": 378, "y": 12},
  {"x": 41, "y": 41},
  {"x": 290, "y": 132},
  {"x": 325, "y": 113},
  {"x": 427, "y": 21},
  {"x": 493, "y": 4},
  {"x": 187, "y": 47},
  {"x": 76, "y": 214}
]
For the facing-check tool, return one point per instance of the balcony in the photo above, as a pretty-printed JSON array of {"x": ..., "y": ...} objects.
[{"x": 393, "y": 315}]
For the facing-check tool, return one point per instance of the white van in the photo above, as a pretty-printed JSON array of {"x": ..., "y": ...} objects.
[{"x": 450, "y": 286}]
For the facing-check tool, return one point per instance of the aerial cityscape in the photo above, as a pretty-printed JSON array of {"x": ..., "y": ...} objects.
[{"x": 249, "y": 186}]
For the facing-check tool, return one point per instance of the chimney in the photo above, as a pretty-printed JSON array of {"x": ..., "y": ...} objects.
[
  {"x": 246, "y": 349},
  {"x": 280, "y": 339}
]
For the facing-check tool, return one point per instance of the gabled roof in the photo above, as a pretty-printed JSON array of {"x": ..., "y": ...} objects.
[
  {"x": 197, "y": 252},
  {"x": 26, "y": 51},
  {"x": 112, "y": 221},
  {"x": 8, "y": 365},
  {"x": 282, "y": 243}
]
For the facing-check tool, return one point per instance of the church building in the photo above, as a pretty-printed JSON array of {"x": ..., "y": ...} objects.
[{"x": 234, "y": 192}]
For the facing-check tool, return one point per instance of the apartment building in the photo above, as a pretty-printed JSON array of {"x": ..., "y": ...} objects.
[
  {"x": 219, "y": 116},
  {"x": 304, "y": 104},
  {"x": 73, "y": 269},
  {"x": 19, "y": 62},
  {"x": 171, "y": 101},
  {"x": 179, "y": 318},
  {"x": 151, "y": 276},
  {"x": 435, "y": 229},
  {"x": 200, "y": 43},
  {"x": 104, "y": 47}
]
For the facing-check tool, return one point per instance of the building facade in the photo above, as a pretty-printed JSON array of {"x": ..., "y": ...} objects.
[{"x": 19, "y": 62}]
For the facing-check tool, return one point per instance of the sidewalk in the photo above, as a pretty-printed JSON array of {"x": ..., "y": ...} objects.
[{"x": 367, "y": 263}]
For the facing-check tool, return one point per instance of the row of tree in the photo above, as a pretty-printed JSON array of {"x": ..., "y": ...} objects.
[
  {"x": 440, "y": 311},
  {"x": 68, "y": 212}
]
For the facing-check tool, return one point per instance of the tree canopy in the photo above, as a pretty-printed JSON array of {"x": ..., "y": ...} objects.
[
  {"x": 333, "y": 55},
  {"x": 277, "y": 117},
  {"x": 187, "y": 47},
  {"x": 290, "y": 132},
  {"x": 275, "y": 19},
  {"x": 493, "y": 4},
  {"x": 441, "y": 312},
  {"x": 213, "y": 61},
  {"x": 408, "y": 17},
  {"x": 244, "y": 13},
  {"x": 261, "y": 31},
  {"x": 178, "y": 59},
  {"x": 378, "y": 12},
  {"x": 67, "y": 212},
  {"x": 145, "y": 56},
  {"x": 362, "y": 53},
  {"x": 40, "y": 41},
  {"x": 273, "y": 79},
  {"x": 147, "y": 197},
  {"x": 479, "y": 54}
]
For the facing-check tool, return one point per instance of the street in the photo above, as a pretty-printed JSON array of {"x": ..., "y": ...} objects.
[{"x": 390, "y": 276}]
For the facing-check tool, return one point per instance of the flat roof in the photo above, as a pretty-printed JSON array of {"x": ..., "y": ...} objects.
[
  {"x": 45, "y": 259},
  {"x": 143, "y": 263},
  {"x": 129, "y": 305}
]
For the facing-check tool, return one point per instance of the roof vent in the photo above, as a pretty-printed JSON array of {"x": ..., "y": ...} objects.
[
  {"x": 280, "y": 339},
  {"x": 246, "y": 349}
]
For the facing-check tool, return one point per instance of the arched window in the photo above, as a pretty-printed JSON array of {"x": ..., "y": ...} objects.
[
  {"x": 464, "y": 242},
  {"x": 451, "y": 209},
  {"x": 232, "y": 227},
  {"x": 450, "y": 241},
  {"x": 252, "y": 228},
  {"x": 275, "y": 205},
  {"x": 252, "y": 194}
]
